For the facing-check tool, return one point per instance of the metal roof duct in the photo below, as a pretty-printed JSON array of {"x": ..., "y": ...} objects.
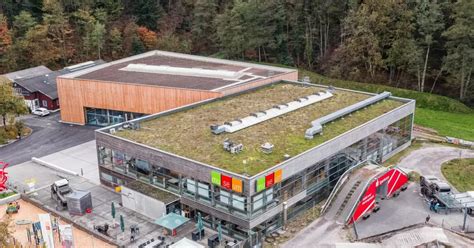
[
  {"x": 277, "y": 110},
  {"x": 317, "y": 125}
]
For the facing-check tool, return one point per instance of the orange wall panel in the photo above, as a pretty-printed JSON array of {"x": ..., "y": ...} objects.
[{"x": 76, "y": 94}]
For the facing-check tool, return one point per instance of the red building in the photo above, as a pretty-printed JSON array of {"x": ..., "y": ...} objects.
[{"x": 39, "y": 87}]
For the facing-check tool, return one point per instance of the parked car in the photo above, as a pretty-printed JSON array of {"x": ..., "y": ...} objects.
[
  {"x": 40, "y": 112},
  {"x": 431, "y": 185}
]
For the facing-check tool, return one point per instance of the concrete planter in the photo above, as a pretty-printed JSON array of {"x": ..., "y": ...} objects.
[{"x": 9, "y": 199}]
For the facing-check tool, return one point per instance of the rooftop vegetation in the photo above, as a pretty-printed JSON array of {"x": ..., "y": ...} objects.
[{"x": 187, "y": 133}]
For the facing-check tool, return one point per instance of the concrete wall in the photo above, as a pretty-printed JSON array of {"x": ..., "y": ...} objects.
[{"x": 142, "y": 204}]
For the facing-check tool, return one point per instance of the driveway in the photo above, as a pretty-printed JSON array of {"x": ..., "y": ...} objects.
[
  {"x": 428, "y": 160},
  {"x": 49, "y": 136}
]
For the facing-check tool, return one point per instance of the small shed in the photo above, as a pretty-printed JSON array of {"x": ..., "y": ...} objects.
[{"x": 78, "y": 201}]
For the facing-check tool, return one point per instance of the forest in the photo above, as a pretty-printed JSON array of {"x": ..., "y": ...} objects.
[{"x": 424, "y": 45}]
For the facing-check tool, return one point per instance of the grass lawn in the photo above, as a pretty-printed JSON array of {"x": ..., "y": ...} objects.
[
  {"x": 460, "y": 173},
  {"x": 457, "y": 125},
  {"x": 446, "y": 115},
  {"x": 6, "y": 194}
]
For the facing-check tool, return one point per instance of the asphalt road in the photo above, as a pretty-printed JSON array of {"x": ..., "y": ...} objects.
[
  {"x": 428, "y": 160},
  {"x": 49, "y": 136}
]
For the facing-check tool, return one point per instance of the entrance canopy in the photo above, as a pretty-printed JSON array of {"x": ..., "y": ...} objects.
[
  {"x": 171, "y": 221},
  {"x": 461, "y": 200}
]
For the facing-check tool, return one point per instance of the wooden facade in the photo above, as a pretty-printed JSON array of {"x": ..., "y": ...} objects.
[{"x": 77, "y": 94}]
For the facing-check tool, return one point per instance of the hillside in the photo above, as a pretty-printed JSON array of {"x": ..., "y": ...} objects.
[{"x": 447, "y": 116}]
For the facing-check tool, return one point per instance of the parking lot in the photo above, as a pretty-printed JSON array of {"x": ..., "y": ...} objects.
[{"x": 49, "y": 136}]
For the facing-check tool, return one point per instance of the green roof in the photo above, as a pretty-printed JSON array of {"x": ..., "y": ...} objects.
[
  {"x": 153, "y": 192},
  {"x": 187, "y": 133}
]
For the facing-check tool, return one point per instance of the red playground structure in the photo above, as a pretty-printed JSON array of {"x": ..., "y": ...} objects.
[{"x": 3, "y": 176}]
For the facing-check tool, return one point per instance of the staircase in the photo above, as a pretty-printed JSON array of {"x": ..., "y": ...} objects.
[{"x": 348, "y": 196}]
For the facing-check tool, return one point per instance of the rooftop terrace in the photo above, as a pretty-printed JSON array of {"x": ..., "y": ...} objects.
[{"x": 187, "y": 133}]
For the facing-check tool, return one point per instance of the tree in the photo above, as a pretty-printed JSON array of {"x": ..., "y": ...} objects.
[
  {"x": 5, "y": 35},
  {"x": 59, "y": 30},
  {"x": 113, "y": 8},
  {"x": 203, "y": 29},
  {"x": 147, "y": 37},
  {"x": 10, "y": 103},
  {"x": 115, "y": 42},
  {"x": 7, "y": 58},
  {"x": 460, "y": 46},
  {"x": 148, "y": 12},
  {"x": 429, "y": 21},
  {"x": 23, "y": 23},
  {"x": 97, "y": 37}
]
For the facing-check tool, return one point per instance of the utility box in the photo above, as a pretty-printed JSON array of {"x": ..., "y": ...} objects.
[{"x": 78, "y": 202}]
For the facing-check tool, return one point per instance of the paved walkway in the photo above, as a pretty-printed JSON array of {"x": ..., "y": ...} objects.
[
  {"x": 428, "y": 160},
  {"x": 81, "y": 159}
]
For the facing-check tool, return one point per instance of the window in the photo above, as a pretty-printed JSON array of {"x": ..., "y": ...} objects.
[
  {"x": 203, "y": 190},
  {"x": 18, "y": 91},
  {"x": 257, "y": 201},
  {"x": 45, "y": 103},
  {"x": 224, "y": 197},
  {"x": 191, "y": 186},
  {"x": 238, "y": 202}
]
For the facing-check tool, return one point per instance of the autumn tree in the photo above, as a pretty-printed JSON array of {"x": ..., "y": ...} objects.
[
  {"x": 58, "y": 28},
  {"x": 147, "y": 37},
  {"x": 114, "y": 44},
  {"x": 10, "y": 103},
  {"x": 5, "y": 35}
]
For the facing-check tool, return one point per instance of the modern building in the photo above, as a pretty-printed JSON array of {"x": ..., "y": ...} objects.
[
  {"x": 254, "y": 159},
  {"x": 38, "y": 85},
  {"x": 154, "y": 82}
]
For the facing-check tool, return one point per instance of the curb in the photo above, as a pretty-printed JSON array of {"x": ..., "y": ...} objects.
[
  {"x": 53, "y": 166},
  {"x": 9, "y": 199}
]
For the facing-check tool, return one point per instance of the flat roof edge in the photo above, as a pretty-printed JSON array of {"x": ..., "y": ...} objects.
[
  {"x": 192, "y": 105},
  {"x": 176, "y": 55}
]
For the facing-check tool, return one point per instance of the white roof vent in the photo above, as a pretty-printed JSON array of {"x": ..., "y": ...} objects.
[
  {"x": 183, "y": 71},
  {"x": 267, "y": 148},
  {"x": 276, "y": 111}
]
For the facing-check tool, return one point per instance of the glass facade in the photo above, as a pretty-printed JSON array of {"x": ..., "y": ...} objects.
[
  {"x": 316, "y": 181},
  {"x": 105, "y": 117}
]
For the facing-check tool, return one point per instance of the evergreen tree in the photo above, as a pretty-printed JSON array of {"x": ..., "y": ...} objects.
[
  {"x": 148, "y": 12},
  {"x": 429, "y": 22},
  {"x": 97, "y": 37},
  {"x": 460, "y": 47},
  {"x": 22, "y": 23},
  {"x": 203, "y": 29},
  {"x": 58, "y": 28}
]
